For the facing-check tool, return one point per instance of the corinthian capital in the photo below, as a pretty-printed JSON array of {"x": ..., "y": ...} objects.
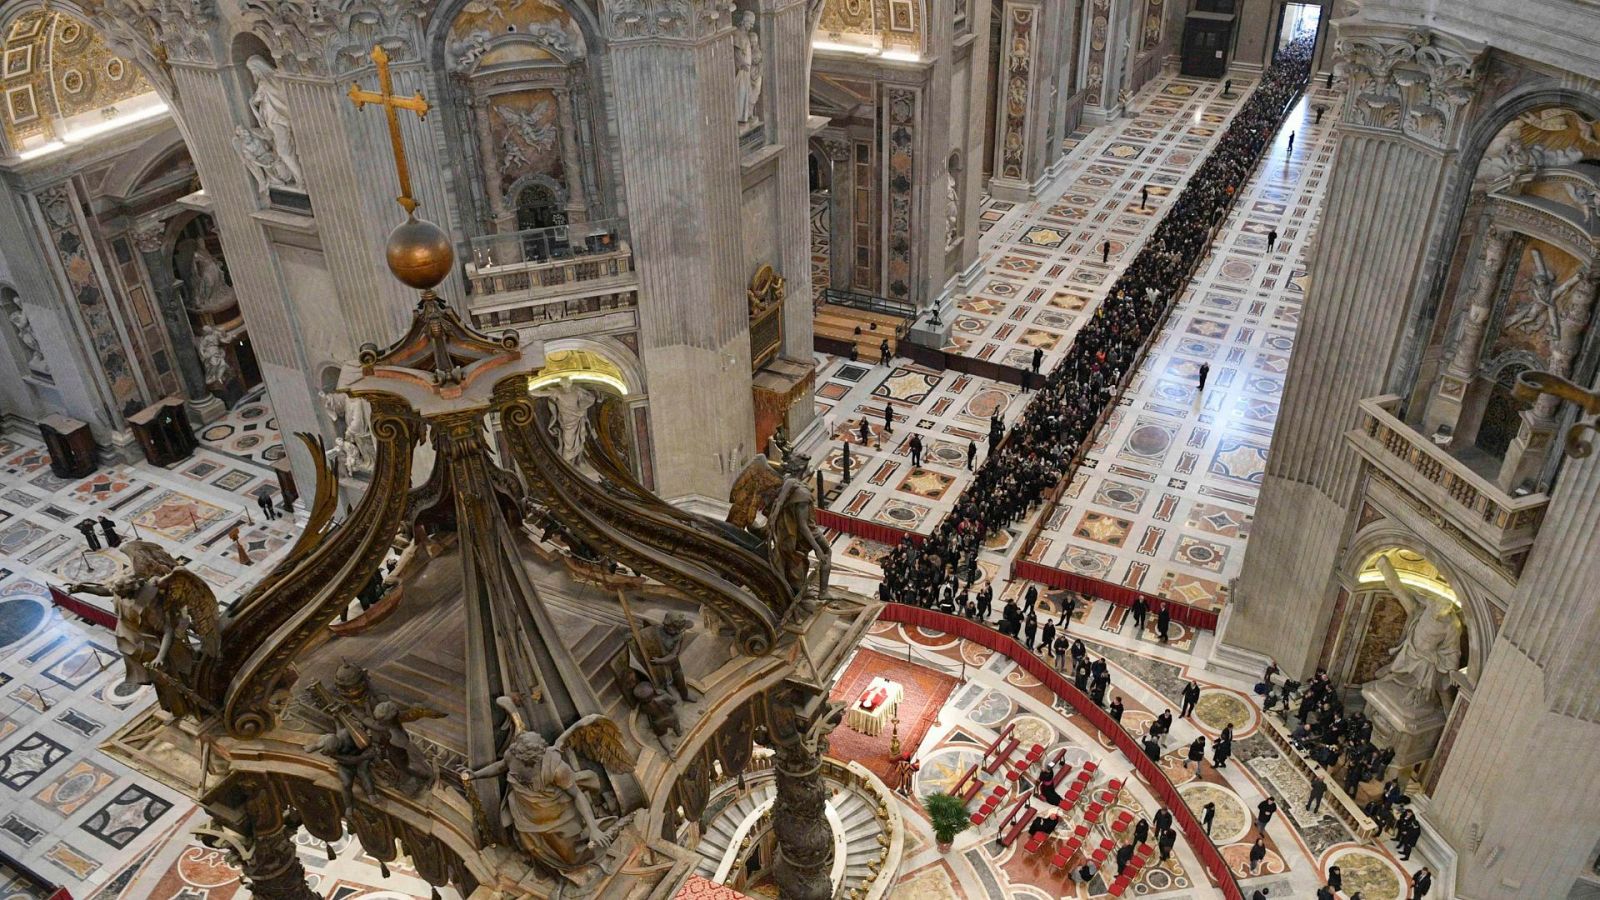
[
  {"x": 1415, "y": 82},
  {"x": 149, "y": 235},
  {"x": 315, "y": 37}
]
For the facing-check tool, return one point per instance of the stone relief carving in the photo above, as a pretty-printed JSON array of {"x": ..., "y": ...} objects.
[
  {"x": 529, "y": 131},
  {"x": 748, "y": 60},
  {"x": 149, "y": 235},
  {"x": 463, "y": 56},
  {"x": 1544, "y": 312},
  {"x": 316, "y": 37},
  {"x": 371, "y": 720},
  {"x": 681, "y": 19},
  {"x": 270, "y": 105},
  {"x": 23, "y": 329},
  {"x": 1408, "y": 83}
]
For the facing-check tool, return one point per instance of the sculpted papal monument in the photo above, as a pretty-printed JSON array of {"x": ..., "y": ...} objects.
[{"x": 1430, "y": 648}]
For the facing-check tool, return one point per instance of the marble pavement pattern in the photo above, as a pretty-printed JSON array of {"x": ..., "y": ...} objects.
[{"x": 1167, "y": 499}]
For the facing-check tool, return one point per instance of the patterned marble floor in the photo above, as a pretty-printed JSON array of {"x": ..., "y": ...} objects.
[
  {"x": 1166, "y": 499},
  {"x": 994, "y": 693},
  {"x": 249, "y": 431},
  {"x": 70, "y": 811}
]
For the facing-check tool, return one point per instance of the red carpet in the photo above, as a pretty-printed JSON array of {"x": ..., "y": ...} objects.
[{"x": 926, "y": 691}]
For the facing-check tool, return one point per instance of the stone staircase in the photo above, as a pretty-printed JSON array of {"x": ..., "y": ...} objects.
[{"x": 864, "y": 846}]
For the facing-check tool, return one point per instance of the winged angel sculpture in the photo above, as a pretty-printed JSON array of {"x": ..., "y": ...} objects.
[
  {"x": 789, "y": 529},
  {"x": 159, "y": 604},
  {"x": 552, "y": 804}
]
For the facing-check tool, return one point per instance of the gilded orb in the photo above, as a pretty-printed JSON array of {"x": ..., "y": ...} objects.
[{"x": 419, "y": 253}]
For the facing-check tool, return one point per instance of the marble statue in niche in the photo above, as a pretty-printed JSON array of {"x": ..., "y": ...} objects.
[
  {"x": 351, "y": 418},
  {"x": 25, "y": 336},
  {"x": 569, "y": 420},
  {"x": 1429, "y": 649},
  {"x": 209, "y": 290},
  {"x": 213, "y": 358},
  {"x": 952, "y": 211},
  {"x": 748, "y": 60},
  {"x": 270, "y": 104}
]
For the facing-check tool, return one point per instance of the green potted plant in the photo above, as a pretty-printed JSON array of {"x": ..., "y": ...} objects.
[{"x": 949, "y": 817}]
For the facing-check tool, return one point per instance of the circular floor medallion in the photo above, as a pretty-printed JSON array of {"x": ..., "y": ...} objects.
[{"x": 19, "y": 617}]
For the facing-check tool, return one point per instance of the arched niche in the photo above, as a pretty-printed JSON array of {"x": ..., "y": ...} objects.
[
  {"x": 1424, "y": 570},
  {"x": 526, "y": 113}
]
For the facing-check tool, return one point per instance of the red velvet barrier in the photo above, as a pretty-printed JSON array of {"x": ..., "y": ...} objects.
[
  {"x": 1150, "y": 773},
  {"x": 872, "y": 531},
  {"x": 85, "y": 611},
  {"x": 1111, "y": 592}
]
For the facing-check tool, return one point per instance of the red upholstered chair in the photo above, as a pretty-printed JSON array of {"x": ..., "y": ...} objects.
[
  {"x": 1114, "y": 784},
  {"x": 1011, "y": 774},
  {"x": 1061, "y": 859},
  {"x": 1000, "y": 791},
  {"x": 1119, "y": 885},
  {"x": 1082, "y": 831},
  {"x": 1035, "y": 841},
  {"x": 981, "y": 816},
  {"x": 1091, "y": 767},
  {"x": 1099, "y": 857}
]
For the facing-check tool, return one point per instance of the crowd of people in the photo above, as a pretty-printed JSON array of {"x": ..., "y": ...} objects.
[{"x": 1043, "y": 445}]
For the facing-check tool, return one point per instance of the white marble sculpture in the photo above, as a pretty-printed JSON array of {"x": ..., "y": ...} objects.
[
  {"x": 748, "y": 60},
  {"x": 1430, "y": 648},
  {"x": 209, "y": 288},
  {"x": 270, "y": 103},
  {"x": 24, "y": 331},
  {"x": 255, "y": 148},
  {"x": 569, "y": 422},
  {"x": 952, "y": 211},
  {"x": 352, "y": 419},
  {"x": 213, "y": 358}
]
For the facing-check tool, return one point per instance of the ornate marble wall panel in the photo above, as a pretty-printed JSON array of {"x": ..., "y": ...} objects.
[
  {"x": 901, "y": 117},
  {"x": 59, "y": 206},
  {"x": 1099, "y": 43},
  {"x": 1018, "y": 67},
  {"x": 1385, "y": 624}
]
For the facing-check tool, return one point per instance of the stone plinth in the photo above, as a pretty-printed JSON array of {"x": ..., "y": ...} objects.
[{"x": 1397, "y": 722}]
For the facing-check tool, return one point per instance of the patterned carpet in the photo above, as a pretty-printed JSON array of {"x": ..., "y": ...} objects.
[{"x": 926, "y": 691}]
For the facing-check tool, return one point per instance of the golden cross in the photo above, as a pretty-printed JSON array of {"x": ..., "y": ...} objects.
[{"x": 385, "y": 97}]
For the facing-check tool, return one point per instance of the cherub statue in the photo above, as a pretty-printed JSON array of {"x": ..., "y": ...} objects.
[
  {"x": 354, "y": 761},
  {"x": 159, "y": 603},
  {"x": 373, "y": 718},
  {"x": 662, "y": 663},
  {"x": 549, "y": 800}
]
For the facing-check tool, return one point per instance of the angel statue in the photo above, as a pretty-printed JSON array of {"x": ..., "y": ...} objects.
[
  {"x": 159, "y": 603},
  {"x": 790, "y": 531},
  {"x": 550, "y": 799},
  {"x": 534, "y": 127}
]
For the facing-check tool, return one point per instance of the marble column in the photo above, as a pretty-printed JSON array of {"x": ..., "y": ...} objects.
[
  {"x": 571, "y": 159},
  {"x": 1525, "y": 457},
  {"x": 204, "y": 407},
  {"x": 673, "y": 72},
  {"x": 1444, "y": 408},
  {"x": 841, "y": 213}
]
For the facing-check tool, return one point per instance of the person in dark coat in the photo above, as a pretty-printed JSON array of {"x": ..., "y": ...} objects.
[
  {"x": 1080, "y": 676},
  {"x": 1116, "y": 710},
  {"x": 1197, "y": 753},
  {"x": 1163, "y": 621},
  {"x": 1038, "y": 359},
  {"x": 972, "y": 454},
  {"x": 1264, "y": 812},
  {"x": 865, "y": 431},
  {"x": 1140, "y": 609},
  {"x": 1162, "y": 819},
  {"x": 1124, "y": 856},
  {"x": 1208, "y": 814},
  {"x": 1191, "y": 696},
  {"x": 1258, "y": 894},
  {"x": 1030, "y": 630},
  {"x": 1258, "y": 852},
  {"x": 1152, "y": 747},
  {"x": 1141, "y": 831},
  {"x": 1047, "y": 637},
  {"x": 110, "y": 529},
  {"x": 1335, "y": 879},
  {"x": 1165, "y": 842},
  {"x": 1325, "y": 893},
  {"x": 888, "y": 419},
  {"x": 1318, "y": 788},
  {"x": 883, "y": 351},
  {"x": 1421, "y": 883},
  {"x": 264, "y": 500},
  {"x": 1220, "y": 751},
  {"x": 916, "y": 451},
  {"x": 1030, "y": 598},
  {"x": 1205, "y": 369}
]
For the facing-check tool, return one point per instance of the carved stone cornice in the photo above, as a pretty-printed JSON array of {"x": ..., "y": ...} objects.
[
  {"x": 1413, "y": 83},
  {"x": 154, "y": 32},
  {"x": 334, "y": 37},
  {"x": 1544, "y": 222},
  {"x": 628, "y": 21}
]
